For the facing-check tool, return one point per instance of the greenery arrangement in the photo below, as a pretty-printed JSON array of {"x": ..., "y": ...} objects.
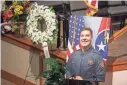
[{"x": 56, "y": 75}]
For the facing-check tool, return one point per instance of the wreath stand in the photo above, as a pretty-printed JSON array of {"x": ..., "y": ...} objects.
[
  {"x": 29, "y": 67},
  {"x": 31, "y": 63}
]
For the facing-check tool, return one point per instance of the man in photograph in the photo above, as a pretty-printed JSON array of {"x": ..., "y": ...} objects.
[{"x": 86, "y": 63}]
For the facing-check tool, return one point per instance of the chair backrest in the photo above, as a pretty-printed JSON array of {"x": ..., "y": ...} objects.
[
  {"x": 125, "y": 2},
  {"x": 102, "y": 4},
  {"x": 77, "y": 5},
  {"x": 50, "y": 3},
  {"x": 57, "y": 5},
  {"x": 114, "y": 3}
]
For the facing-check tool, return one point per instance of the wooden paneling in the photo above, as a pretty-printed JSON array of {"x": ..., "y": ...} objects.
[
  {"x": 25, "y": 43},
  {"x": 14, "y": 79},
  {"x": 117, "y": 65},
  {"x": 117, "y": 34}
]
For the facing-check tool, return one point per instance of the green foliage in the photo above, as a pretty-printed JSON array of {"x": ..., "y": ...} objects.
[
  {"x": 51, "y": 9},
  {"x": 15, "y": 28},
  {"x": 18, "y": 18},
  {"x": 54, "y": 76}
]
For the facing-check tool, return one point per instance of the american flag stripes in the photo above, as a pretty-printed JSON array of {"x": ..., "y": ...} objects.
[{"x": 76, "y": 24}]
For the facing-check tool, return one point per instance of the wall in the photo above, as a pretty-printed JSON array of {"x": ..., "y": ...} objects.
[
  {"x": 120, "y": 77},
  {"x": 116, "y": 78},
  {"x": 16, "y": 60}
]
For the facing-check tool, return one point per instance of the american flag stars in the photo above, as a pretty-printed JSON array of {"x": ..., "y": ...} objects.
[{"x": 76, "y": 24}]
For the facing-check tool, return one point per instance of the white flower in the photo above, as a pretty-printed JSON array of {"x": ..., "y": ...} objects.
[
  {"x": 47, "y": 10},
  {"x": 31, "y": 18},
  {"x": 39, "y": 12},
  {"x": 50, "y": 38}
]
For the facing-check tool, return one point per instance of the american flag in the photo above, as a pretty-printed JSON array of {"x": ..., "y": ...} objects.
[
  {"x": 100, "y": 33},
  {"x": 76, "y": 24}
]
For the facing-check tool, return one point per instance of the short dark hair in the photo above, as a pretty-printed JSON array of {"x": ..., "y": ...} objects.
[{"x": 87, "y": 28}]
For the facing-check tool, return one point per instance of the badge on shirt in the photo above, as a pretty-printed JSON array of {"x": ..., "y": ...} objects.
[
  {"x": 101, "y": 64},
  {"x": 90, "y": 62}
]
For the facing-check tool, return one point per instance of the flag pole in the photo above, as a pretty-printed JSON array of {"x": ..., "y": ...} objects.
[
  {"x": 105, "y": 34},
  {"x": 73, "y": 38}
]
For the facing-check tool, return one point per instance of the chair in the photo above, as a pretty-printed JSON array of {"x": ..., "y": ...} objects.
[{"x": 117, "y": 8}]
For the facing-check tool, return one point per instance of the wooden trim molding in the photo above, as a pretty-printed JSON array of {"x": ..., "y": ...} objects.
[
  {"x": 120, "y": 64},
  {"x": 14, "y": 79},
  {"x": 41, "y": 69},
  {"x": 8, "y": 38},
  {"x": 118, "y": 34},
  {"x": 26, "y": 43},
  {"x": 117, "y": 65}
]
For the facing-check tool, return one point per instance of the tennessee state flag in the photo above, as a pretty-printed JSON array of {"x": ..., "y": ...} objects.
[{"x": 100, "y": 27}]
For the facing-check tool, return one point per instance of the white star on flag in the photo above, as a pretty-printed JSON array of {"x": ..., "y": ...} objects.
[{"x": 101, "y": 46}]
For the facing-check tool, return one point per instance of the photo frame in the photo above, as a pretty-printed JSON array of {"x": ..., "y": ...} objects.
[{"x": 100, "y": 27}]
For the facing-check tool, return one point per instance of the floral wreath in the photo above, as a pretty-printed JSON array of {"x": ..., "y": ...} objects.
[{"x": 41, "y": 12}]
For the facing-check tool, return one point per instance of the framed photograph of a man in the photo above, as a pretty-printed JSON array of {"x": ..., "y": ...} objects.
[{"x": 87, "y": 48}]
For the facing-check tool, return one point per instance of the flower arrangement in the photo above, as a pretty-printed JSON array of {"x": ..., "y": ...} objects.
[
  {"x": 37, "y": 13},
  {"x": 15, "y": 10}
]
